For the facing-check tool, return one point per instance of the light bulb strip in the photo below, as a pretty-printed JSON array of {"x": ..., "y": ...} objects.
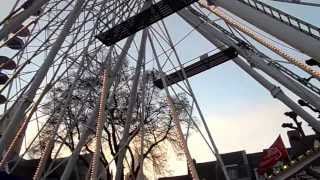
[
  {"x": 14, "y": 143},
  {"x": 99, "y": 127},
  {"x": 258, "y": 38},
  {"x": 23, "y": 128},
  {"x": 312, "y": 153}
]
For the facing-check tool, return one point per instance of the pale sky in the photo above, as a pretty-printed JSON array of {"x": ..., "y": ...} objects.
[{"x": 241, "y": 114}]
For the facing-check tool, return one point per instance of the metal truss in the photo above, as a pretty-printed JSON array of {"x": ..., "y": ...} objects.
[{"x": 59, "y": 46}]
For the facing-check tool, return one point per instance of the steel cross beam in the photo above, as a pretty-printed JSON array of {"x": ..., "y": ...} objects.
[
  {"x": 183, "y": 142},
  {"x": 198, "y": 67},
  {"x": 142, "y": 20}
]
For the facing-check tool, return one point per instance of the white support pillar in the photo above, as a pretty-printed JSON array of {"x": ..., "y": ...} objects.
[
  {"x": 211, "y": 33},
  {"x": 219, "y": 39},
  {"x": 279, "y": 29}
]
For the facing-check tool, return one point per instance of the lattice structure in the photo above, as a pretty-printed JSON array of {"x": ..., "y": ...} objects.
[{"x": 85, "y": 78}]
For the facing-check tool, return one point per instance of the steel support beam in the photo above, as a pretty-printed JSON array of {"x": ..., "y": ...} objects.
[
  {"x": 209, "y": 31},
  {"x": 219, "y": 39},
  {"x": 183, "y": 142},
  {"x": 197, "y": 106},
  {"x": 279, "y": 29},
  {"x": 142, "y": 20},
  {"x": 198, "y": 67}
]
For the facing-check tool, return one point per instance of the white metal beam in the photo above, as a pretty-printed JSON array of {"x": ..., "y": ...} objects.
[
  {"x": 219, "y": 39},
  {"x": 279, "y": 29}
]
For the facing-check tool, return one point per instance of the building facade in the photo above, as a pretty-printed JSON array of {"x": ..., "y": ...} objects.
[{"x": 243, "y": 166}]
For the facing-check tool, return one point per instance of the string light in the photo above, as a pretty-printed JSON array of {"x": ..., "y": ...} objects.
[
  {"x": 301, "y": 157},
  {"x": 99, "y": 126},
  {"x": 284, "y": 167},
  {"x": 14, "y": 143},
  {"x": 309, "y": 152},
  {"x": 292, "y": 162},
  {"x": 259, "y": 39}
]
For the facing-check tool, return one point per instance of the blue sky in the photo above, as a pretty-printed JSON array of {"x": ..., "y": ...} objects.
[{"x": 241, "y": 114}]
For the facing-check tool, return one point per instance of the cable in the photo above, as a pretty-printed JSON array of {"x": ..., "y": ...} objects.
[{"x": 255, "y": 36}]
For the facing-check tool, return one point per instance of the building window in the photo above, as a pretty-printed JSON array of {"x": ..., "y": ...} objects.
[{"x": 233, "y": 171}]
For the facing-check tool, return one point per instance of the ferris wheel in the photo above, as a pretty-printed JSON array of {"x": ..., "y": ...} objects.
[{"x": 63, "y": 61}]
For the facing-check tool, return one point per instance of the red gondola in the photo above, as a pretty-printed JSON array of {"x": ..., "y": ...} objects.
[
  {"x": 7, "y": 63},
  {"x": 3, "y": 78},
  {"x": 2, "y": 99},
  {"x": 27, "y": 4},
  {"x": 312, "y": 62},
  {"x": 15, "y": 43},
  {"x": 24, "y": 31},
  {"x": 38, "y": 12}
]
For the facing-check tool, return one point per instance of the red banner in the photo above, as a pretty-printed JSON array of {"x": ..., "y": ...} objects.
[{"x": 277, "y": 152}]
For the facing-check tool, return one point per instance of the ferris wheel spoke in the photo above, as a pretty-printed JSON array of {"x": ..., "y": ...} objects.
[
  {"x": 22, "y": 106},
  {"x": 21, "y": 68},
  {"x": 56, "y": 89},
  {"x": 40, "y": 164},
  {"x": 35, "y": 106},
  {"x": 63, "y": 52},
  {"x": 192, "y": 96},
  {"x": 27, "y": 62}
]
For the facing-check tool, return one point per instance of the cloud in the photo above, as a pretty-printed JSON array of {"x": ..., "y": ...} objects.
[{"x": 250, "y": 128}]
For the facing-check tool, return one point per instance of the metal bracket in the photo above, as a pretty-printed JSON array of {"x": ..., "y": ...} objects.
[{"x": 275, "y": 91}]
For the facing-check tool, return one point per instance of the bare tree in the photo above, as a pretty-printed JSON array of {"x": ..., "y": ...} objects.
[{"x": 159, "y": 128}]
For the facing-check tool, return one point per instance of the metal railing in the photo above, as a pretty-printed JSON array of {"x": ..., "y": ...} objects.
[
  {"x": 286, "y": 18},
  {"x": 294, "y": 76},
  {"x": 270, "y": 62}
]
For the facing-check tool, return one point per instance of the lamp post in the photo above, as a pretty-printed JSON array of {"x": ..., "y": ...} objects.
[{"x": 298, "y": 126}]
